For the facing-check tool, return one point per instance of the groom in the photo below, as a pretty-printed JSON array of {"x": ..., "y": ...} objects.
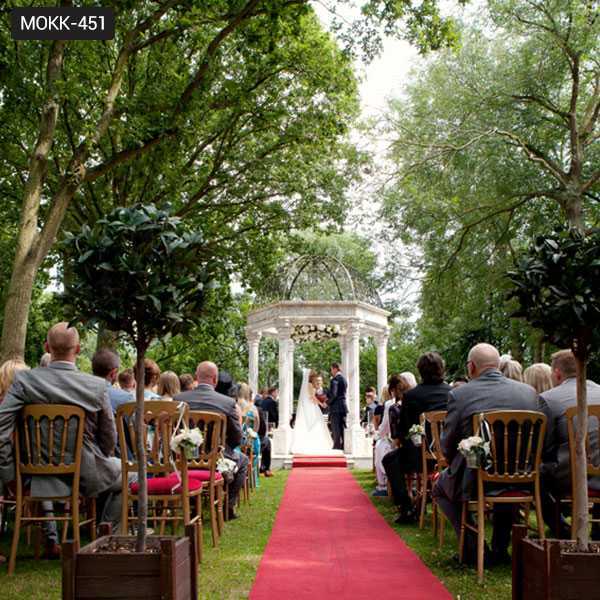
[{"x": 336, "y": 400}]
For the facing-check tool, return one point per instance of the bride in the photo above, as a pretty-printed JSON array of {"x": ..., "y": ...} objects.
[{"x": 310, "y": 434}]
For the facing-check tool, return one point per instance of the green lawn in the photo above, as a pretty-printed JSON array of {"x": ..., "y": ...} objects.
[
  {"x": 235, "y": 561},
  {"x": 460, "y": 581}
]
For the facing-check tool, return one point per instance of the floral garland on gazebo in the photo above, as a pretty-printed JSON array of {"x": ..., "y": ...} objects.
[{"x": 314, "y": 333}]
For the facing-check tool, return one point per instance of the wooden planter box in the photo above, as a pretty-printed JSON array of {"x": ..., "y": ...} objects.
[
  {"x": 542, "y": 570},
  {"x": 170, "y": 574}
]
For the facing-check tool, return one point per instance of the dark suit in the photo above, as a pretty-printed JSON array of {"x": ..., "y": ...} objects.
[
  {"x": 406, "y": 459},
  {"x": 490, "y": 391},
  {"x": 271, "y": 407},
  {"x": 336, "y": 401},
  {"x": 205, "y": 398}
]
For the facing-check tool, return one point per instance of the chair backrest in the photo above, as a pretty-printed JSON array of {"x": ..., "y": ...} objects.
[
  {"x": 160, "y": 420},
  {"x": 49, "y": 439},
  {"x": 433, "y": 422},
  {"x": 516, "y": 440},
  {"x": 213, "y": 427},
  {"x": 592, "y": 439}
]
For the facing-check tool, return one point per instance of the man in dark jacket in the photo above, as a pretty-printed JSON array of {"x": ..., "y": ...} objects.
[
  {"x": 336, "y": 400},
  {"x": 430, "y": 394},
  {"x": 270, "y": 406},
  {"x": 488, "y": 390},
  {"x": 205, "y": 398}
]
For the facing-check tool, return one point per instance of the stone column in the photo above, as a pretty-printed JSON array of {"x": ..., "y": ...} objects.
[
  {"x": 282, "y": 435},
  {"x": 253, "y": 346},
  {"x": 355, "y": 441},
  {"x": 343, "y": 353},
  {"x": 381, "y": 341},
  {"x": 291, "y": 347}
]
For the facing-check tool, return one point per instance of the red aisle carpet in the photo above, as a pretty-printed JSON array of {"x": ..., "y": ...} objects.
[{"x": 329, "y": 542}]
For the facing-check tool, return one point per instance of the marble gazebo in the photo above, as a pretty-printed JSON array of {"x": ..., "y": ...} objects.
[{"x": 319, "y": 291}]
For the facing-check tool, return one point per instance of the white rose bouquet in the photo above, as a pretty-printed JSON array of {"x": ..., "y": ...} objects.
[
  {"x": 187, "y": 441},
  {"x": 416, "y": 433},
  {"x": 227, "y": 467},
  {"x": 475, "y": 450}
]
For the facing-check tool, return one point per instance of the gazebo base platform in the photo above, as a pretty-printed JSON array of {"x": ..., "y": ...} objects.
[{"x": 280, "y": 461}]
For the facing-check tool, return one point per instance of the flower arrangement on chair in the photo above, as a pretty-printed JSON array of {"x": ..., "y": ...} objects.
[
  {"x": 416, "y": 433},
  {"x": 475, "y": 450}
]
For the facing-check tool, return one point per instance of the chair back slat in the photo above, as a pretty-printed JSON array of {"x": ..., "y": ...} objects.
[
  {"x": 592, "y": 439},
  {"x": 518, "y": 463},
  {"x": 433, "y": 422},
  {"x": 213, "y": 427},
  {"x": 39, "y": 426}
]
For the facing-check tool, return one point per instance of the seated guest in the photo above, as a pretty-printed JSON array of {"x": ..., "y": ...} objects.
[
  {"x": 556, "y": 467},
  {"x": 206, "y": 398},
  {"x": 45, "y": 360},
  {"x": 380, "y": 408},
  {"x": 458, "y": 382},
  {"x": 250, "y": 420},
  {"x": 511, "y": 368},
  {"x": 269, "y": 405},
  {"x": 371, "y": 405},
  {"x": 487, "y": 390},
  {"x": 105, "y": 364},
  {"x": 151, "y": 377},
  {"x": 539, "y": 377},
  {"x": 265, "y": 444},
  {"x": 62, "y": 383},
  {"x": 397, "y": 385},
  {"x": 259, "y": 397},
  {"x": 126, "y": 380},
  {"x": 186, "y": 382},
  {"x": 7, "y": 374},
  {"x": 226, "y": 385},
  {"x": 430, "y": 394},
  {"x": 168, "y": 385}
]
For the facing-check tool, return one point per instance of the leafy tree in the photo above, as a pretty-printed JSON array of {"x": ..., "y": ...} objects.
[
  {"x": 557, "y": 285},
  {"x": 142, "y": 272}
]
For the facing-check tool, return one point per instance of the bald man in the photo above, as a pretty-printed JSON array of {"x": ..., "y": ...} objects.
[
  {"x": 205, "y": 398},
  {"x": 487, "y": 390},
  {"x": 61, "y": 383}
]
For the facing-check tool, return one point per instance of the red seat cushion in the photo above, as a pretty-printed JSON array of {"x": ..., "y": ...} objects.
[
  {"x": 514, "y": 494},
  {"x": 165, "y": 486},
  {"x": 593, "y": 493},
  {"x": 203, "y": 475}
]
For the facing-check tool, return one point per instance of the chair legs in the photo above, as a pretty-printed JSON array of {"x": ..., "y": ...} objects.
[
  {"x": 16, "y": 533},
  {"x": 214, "y": 520}
]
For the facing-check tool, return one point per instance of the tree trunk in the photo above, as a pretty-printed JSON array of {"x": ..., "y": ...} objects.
[
  {"x": 580, "y": 508},
  {"x": 140, "y": 545}
]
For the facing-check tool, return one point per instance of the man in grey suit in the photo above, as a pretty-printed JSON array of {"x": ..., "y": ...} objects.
[
  {"x": 556, "y": 468},
  {"x": 487, "y": 390},
  {"x": 205, "y": 398},
  {"x": 62, "y": 383}
]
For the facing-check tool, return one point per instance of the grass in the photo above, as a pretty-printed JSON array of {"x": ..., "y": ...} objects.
[
  {"x": 226, "y": 573},
  {"x": 460, "y": 581}
]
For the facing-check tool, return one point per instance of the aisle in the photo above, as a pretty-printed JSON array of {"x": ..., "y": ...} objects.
[{"x": 329, "y": 542}]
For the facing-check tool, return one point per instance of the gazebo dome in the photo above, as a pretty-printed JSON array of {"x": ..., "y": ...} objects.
[{"x": 323, "y": 278}]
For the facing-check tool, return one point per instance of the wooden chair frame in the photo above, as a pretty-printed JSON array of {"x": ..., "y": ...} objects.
[
  {"x": 523, "y": 470},
  {"x": 163, "y": 416},
  {"x": 593, "y": 470},
  {"x": 208, "y": 455},
  {"x": 33, "y": 459},
  {"x": 431, "y": 450}
]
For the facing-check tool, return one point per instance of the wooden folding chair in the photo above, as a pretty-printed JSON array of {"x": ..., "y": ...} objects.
[
  {"x": 48, "y": 443},
  {"x": 516, "y": 440},
  {"x": 203, "y": 466},
  {"x": 431, "y": 451},
  {"x": 169, "y": 488},
  {"x": 592, "y": 451}
]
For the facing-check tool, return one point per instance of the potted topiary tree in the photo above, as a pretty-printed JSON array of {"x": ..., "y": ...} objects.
[
  {"x": 139, "y": 271},
  {"x": 557, "y": 286}
]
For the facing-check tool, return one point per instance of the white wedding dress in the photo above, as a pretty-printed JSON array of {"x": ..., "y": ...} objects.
[{"x": 310, "y": 434}]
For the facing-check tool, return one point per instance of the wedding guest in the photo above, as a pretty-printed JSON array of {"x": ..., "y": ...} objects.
[
  {"x": 458, "y": 382},
  {"x": 556, "y": 467},
  {"x": 539, "y": 377},
  {"x": 151, "y": 377},
  {"x": 430, "y": 394},
  {"x": 205, "y": 398},
  {"x": 45, "y": 360},
  {"x": 105, "y": 364},
  {"x": 226, "y": 385},
  {"x": 7, "y": 374},
  {"x": 186, "y": 382},
  {"x": 126, "y": 380},
  {"x": 371, "y": 405},
  {"x": 62, "y": 383},
  {"x": 270, "y": 406},
  {"x": 512, "y": 369},
  {"x": 487, "y": 390},
  {"x": 379, "y": 409},
  {"x": 168, "y": 385},
  {"x": 250, "y": 423}
]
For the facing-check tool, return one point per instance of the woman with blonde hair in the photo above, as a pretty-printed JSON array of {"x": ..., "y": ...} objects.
[
  {"x": 7, "y": 374},
  {"x": 168, "y": 385},
  {"x": 512, "y": 369},
  {"x": 250, "y": 424},
  {"x": 538, "y": 376}
]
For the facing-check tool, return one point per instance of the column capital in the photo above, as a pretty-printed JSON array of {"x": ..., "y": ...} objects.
[
  {"x": 382, "y": 337},
  {"x": 284, "y": 330},
  {"x": 354, "y": 329},
  {"x": 253, "y": 336}
]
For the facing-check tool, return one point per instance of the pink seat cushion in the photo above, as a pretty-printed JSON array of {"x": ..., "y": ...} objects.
[
  {"x": 203, "y": 475},
  {"x": 165, "y": 486},
  {"x": 593, "y": 493}
]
